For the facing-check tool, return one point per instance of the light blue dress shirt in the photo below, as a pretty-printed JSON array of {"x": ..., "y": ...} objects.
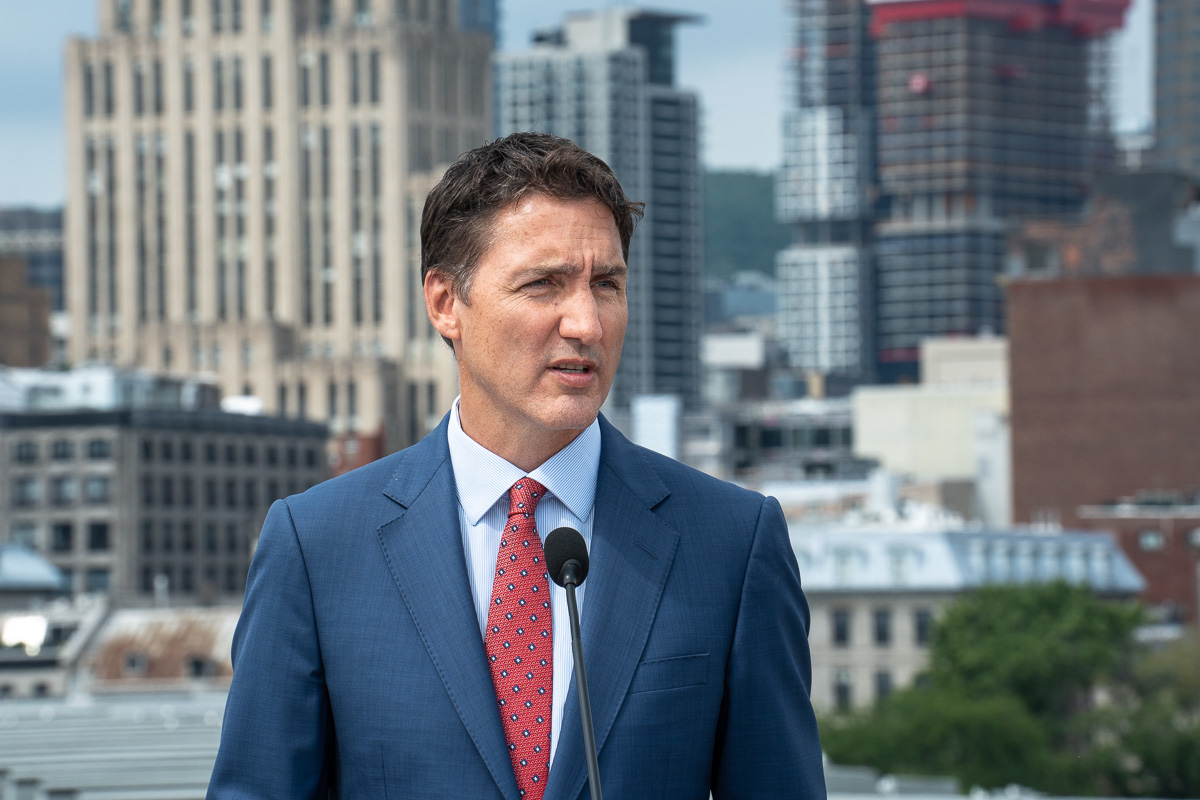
[{"x": 483, "y": 479}]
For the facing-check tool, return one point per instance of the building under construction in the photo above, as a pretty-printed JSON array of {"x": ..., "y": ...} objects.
[{"x": 969, "y": 114}]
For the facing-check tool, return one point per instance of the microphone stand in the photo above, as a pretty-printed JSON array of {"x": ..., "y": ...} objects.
[{"x": 570, "y": 573}]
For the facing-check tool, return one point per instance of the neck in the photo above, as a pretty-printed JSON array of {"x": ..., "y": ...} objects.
[{"x": 525, "y": 449}]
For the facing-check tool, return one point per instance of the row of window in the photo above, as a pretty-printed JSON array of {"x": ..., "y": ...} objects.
[
  {"x": 227, "y": 15},
  {"x": 228, "y": 85},
  {"x": 96, "y": 539},
  {"x": 882, "y": 632},
  {"x": 27, "y": 490},
  {"x": 843, "y": 687},
  {"x": 160, "y": 537},
  {"x": 232, "y": 494},
  {"x": 27, "y": 451},
  {"x": 164, "y": 451},
  {"x": 232, "y": 579}
]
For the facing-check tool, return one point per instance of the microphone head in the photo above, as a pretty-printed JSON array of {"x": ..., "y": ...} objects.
[{"x": 563, "y": 545}]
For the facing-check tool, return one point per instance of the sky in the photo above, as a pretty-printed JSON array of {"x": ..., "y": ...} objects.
[{"x": 733, "y": 58}]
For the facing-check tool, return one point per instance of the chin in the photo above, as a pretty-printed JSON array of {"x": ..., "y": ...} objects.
[{"x": 576, "y": 414}]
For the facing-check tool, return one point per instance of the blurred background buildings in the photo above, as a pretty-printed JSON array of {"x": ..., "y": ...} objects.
[{"x": 954, "y": 334}]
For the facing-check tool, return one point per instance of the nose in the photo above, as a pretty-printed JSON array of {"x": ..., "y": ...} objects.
[{"x": 580, "y": 317}]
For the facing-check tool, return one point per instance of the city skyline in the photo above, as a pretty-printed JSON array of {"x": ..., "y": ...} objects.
[{"x": 734, "y": 59}]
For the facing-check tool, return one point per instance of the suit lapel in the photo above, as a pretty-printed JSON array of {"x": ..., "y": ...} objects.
[
  {"x": 631, "y": 556},
  {"x": 423, "y": 549}
]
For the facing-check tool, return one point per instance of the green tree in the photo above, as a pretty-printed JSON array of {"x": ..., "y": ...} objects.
[
  {"x": 740, "y": 231},
  {"x": 1008, "y": 697},
  {"x": 1046, "y": 644},
  {"x": 982, "y": 741}
]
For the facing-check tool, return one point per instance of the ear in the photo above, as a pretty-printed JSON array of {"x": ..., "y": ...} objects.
[{"x": 441, "y": 303}]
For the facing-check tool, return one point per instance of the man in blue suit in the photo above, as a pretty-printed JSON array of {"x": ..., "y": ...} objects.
[{"x": 399, "y": 636}]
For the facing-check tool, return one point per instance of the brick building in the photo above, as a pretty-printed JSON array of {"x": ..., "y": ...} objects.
[
  {"x": 1160, "y": 533},
  {"x": 24, "y": 317},
  {"x": 1105, "y": 384}
]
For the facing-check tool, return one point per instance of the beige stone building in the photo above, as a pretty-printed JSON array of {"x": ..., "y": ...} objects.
[{"x": 246, "y": 180}]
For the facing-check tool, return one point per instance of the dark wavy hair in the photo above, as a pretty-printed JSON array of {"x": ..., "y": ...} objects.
[{"x": 456, "y": 225}]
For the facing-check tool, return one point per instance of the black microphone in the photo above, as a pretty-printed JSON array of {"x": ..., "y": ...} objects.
[{"x": 567, "y": 562}]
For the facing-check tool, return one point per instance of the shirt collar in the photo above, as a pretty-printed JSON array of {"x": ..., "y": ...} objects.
[{"x": 482, "y": 478}]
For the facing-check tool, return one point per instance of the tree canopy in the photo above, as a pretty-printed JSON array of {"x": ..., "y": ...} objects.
[{"x": 1042, "y": 686}]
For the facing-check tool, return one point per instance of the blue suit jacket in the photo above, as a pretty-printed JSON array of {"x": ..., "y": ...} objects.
[{"x": 360, "y": 669}]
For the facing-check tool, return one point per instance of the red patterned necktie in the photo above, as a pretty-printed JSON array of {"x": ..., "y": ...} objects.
[{"x": 519, "y": 645}]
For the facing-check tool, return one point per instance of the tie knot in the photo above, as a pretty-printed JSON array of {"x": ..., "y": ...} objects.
[{"x": 524, "y": 495}]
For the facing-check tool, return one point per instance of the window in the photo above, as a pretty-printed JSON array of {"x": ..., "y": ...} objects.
[
  {"x": 923, "y": 626},
  {"x": 25, "y": 452},
  {"x": 210, "y": 493},
  {"x": 147, "y": 450},
  {"x": 64, "y": 490},
  {"x": 62, "y": 537},
  {"x": 96, "y": 489},
  {"x": 168, "y": 491},
  {"x": 168, "y": 537},
  {"x": 216, "y": 16},
  {"x": 26, "y": 492},
  {"x": 323, "y": 73},
  {"x": 25, "y": 533},
  {"x": 62, "y": 450},
  {"x": 231, "y": 493},
  {"x": 148, "y": 491},
  {"x": 841, "y": 627},
  {"x": 166, "y": 451},
  {"x": 1151, "y": 541},
  {"x": 210, "y": 539},
  {"x": 268, "y": 98},
  {"x": 185, "y": 452},
  {"x": 187, "y": 537},
  {"x": 186, "y": 492},
  {"x": 200, "y": 667},
  {"x": 230, "y": 454},
  {"x": 136, "y": 663},
  {"x": 883, "y": 627},
  {"x": 97, "y": 580},
  {"x": 218, "y": 94},
  {"x": 883, "y": 684},
  {"x": 1194, "y": 537},
  {"x": 147, "y": 536},
  {"x": 251, "y": 492},
  {"x": 210, "y": 453},
  {"x": 843, "y": 689},
  {"x": 231, "y": 539},
  {"x": 373, "y": 79},
  {"x": 98, "y": 537},
  {"x": 189, "y": 87}
]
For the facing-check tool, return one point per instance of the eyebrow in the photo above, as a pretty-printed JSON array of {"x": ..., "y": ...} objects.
[{"x": 605, "y": 271}]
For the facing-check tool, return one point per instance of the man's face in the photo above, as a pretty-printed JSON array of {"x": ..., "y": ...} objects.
[{"x": 539, "y": 336}]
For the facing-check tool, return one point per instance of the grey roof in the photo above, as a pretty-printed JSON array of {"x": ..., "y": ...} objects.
[
  {"x": 23, "y": 570},
  {"x": 836, "y": 559}
]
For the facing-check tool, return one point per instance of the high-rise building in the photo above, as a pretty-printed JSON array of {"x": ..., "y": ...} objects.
[
  {"x": 606, "y": 80},
  {"x": 246, "y": 182},
  {"x": 824, "y": 190},
  {"x": 921, "y": 131},
  {"x": 1176, "y": 84}
]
